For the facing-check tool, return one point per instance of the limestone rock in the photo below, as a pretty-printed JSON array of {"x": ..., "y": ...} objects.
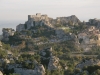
[
  {"x": 45, "y": 56},
  {"x": 39, "y": 70},
  {"x": 53, "y": 63},
  {"x": 49, "y": 60},
  {"x": 90, "y": 62}
]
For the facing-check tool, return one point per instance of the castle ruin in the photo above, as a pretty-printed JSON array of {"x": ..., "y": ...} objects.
[{"x": 40, "y": 20}]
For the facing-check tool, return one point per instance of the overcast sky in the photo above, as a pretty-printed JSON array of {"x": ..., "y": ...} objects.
[{"x": 13, "y": 12}]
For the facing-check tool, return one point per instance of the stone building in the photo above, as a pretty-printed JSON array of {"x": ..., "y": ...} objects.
[{"x": 7, "y": 32}]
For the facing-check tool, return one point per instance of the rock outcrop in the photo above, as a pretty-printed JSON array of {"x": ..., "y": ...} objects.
[
  {"x": 49, "y": 60},
  {"x": 89, "y": 37},
  {"x": 39, "y": 70},
  {"x": 45, "y": 55},
  {"x": 73, "y": 19},
  {"x": 90, "y": 62},
  {"x": 54, "y": 63}
]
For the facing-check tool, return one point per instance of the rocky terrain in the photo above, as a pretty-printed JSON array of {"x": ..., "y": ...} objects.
[{"x": 47, "y": 46}]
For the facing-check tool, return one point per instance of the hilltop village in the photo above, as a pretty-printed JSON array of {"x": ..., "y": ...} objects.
[{"x": 47, "y": 46}]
